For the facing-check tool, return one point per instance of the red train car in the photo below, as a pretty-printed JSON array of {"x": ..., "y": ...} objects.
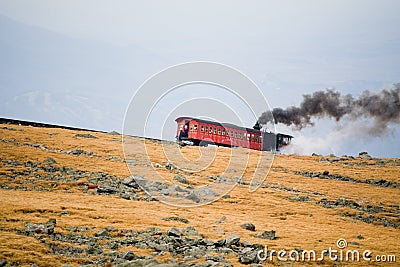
[{"x": 204, "y": 132}]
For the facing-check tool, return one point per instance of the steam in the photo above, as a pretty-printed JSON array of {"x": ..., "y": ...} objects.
[{"x": 381, "y": 108}]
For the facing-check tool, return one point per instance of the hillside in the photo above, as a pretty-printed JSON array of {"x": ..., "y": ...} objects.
[{"x": 66, "y": 198}]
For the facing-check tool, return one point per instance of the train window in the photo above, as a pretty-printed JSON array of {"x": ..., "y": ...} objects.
[
  {"x": 180, "y": 127},
  {"x": 206, "y": 129},
  {"x": 252, "y": 137},
  {"x": 210, "y": 130},
  {"x": 223, "y": 132},
  {"x": 202, "y": 128},
  {"x": 260, "y": 138},
  {"x": 215, "y": 130},
  {"x": 248, "y": 137},
  {"x": 191, "y": 127},
  {"x": 219, "y": 131},
  {"x": 195, "y": 127},
  {"x": 236, "y": 134}
]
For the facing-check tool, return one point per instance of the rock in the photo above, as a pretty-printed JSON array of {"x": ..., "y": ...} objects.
[
  {"x": 248, "y": 226},
  {"x": 177, "y": 188},
  {"x": 194, "y": 197},
  {"x": 190, "y": 230},
  {"x": 333, "y": 159},
  {"x": 47, "y": 228},
  {"x": 246, "y": 244},
  {"x": 3, "y": 262},
  {"x": 106, "y": 189},
  {"x": 170, "y": 166},
  {"x": 205, "y": 191},
  {"x": 50, "y": 161},
  {"x": 139, "y": 263},
  {"x": 113, "y": 133},
  {"x": 129, "y": 255},
  {"x": 220, "y": 243},
  {"x": 79, "y": 151},
  {"x": 218, "y": 259},
  {"x": 249, "y": 257},
  {"x": 232, "y": 240},
  {"x": 131, "y": 181},
  {"x": 85, "y": 136},
  {"x": 174, "y": 232},
  {"x": 94, "y": 249},
  {"x": 103, "y": 232},
  {"x": 267, "y": 235},
  {"x": 364, "y": 155},
  {"x": 175, "y": 218},
  {"x": 223, "y": 218},
  {"x": 359, "y": 237},
  {"x": 181, "y": 178}
]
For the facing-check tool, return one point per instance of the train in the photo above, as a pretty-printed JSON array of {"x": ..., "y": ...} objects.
[{"x": 201, "y": 132}]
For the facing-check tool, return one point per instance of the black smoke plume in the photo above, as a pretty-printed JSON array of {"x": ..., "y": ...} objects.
[{"x": 381, "y": 107}]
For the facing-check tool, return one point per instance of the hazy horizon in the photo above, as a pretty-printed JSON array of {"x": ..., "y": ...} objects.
[{"x": 79, "y": 63}]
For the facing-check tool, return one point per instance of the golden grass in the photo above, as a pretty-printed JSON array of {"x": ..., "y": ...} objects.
[{"x": 305, "y": 225}]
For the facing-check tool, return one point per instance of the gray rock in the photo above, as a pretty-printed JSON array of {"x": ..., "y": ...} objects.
[
  {"x": 249, "y": 257},
  {"x": 219, "y": 259},
  {"x": 364, "y": 155},
  {"x": 220, "y": 243},
  {"x": 174, "y": 232},
  {"x": 177, "y": 188},
  {"x": 47, "y": 228},
  {"x": 3, "y": 263},
  {"x": 248, "y": 226},
  {"x": 106, "y": 189},
  {"x": 113, "y": 133},
  {"x": 85, "y": 136},
  {"x": 333, "y": 159},
  {"x": 77, "y": 151},
  {"x": 133, "y": 181},
  {"x": 223, "y": 218},
  {"x": 170, "y": 166},
  {"x": 50, "y": 161},
  {"x": 129, "y": 255},
  {"x": 102, "y": 232},
  {"x": 191, "y": 231},
  {"x": 139, "y": 263},
  {"x": 267, "y": 235},
  {"x": 246, "y": 244},
  {"x": 205, "y": 191},
  {"x": 175, "y": 218},
  {"x": 181, "y": 178},
  {"x": 232, "y": 240},
  {"x": 155, "y": 186},
  {"x": 194, "y": 197},
  {"x": 94, "y": 249}
]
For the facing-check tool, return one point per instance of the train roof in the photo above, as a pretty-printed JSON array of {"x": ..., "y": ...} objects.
[{"x": 230, "y": 125}]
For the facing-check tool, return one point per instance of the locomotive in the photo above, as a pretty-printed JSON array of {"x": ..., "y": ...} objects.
[{"x": 203, "y": 132}]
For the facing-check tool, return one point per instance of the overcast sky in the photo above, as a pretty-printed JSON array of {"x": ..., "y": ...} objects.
[{"x": 288, "y": 48}]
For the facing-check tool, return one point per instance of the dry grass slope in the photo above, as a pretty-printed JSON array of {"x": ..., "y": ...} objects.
[{"x": 309, "y": 201}]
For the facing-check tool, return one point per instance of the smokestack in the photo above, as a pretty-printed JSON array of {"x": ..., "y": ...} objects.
[
  {"x": 257, "y": 126},
  {"x": 383, "y": 107}
]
